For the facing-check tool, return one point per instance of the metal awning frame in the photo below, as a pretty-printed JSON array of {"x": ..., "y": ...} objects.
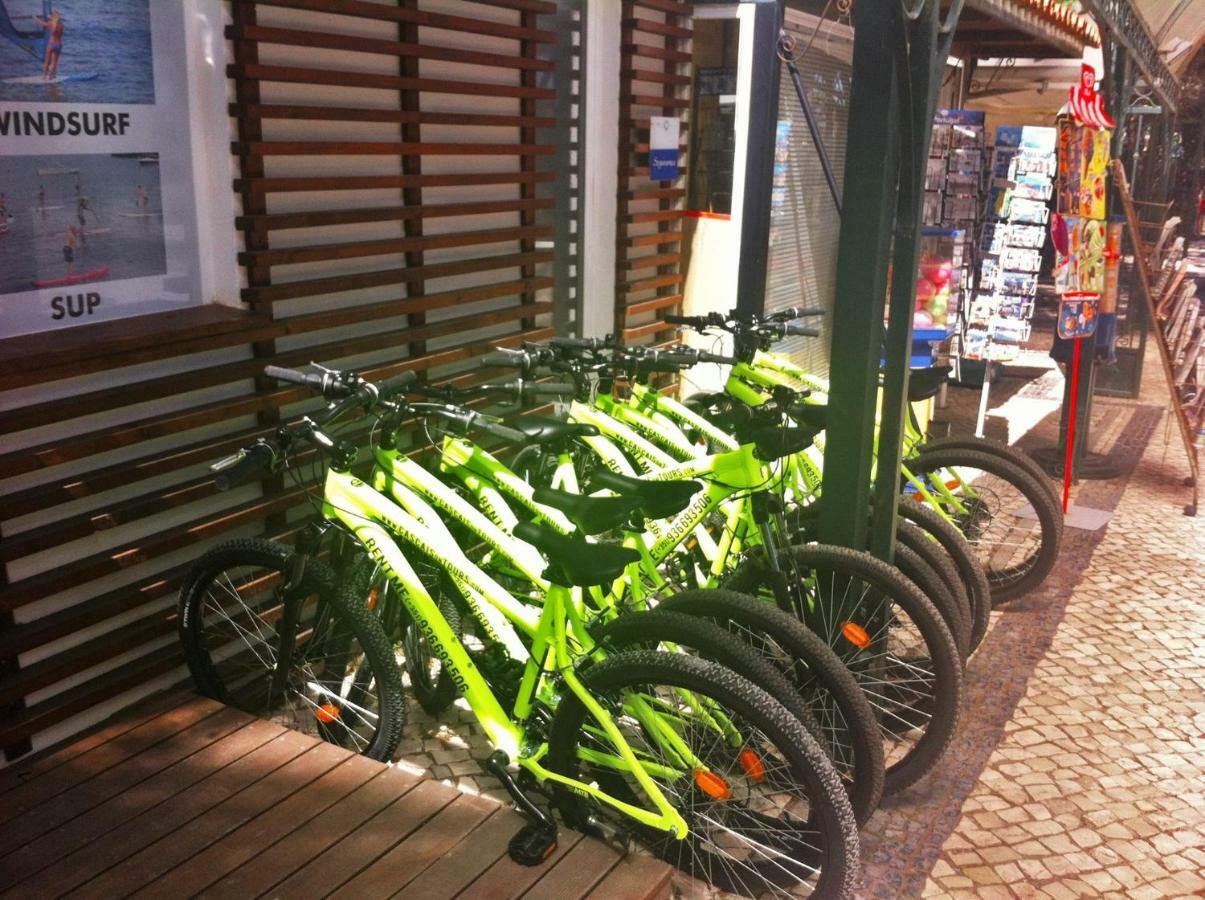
[{"x": 1126, "y": 26}]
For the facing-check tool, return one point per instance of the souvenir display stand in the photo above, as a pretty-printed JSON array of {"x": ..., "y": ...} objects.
[
  {"x": 1084, "y": 256},
  {"x": 997, "y": 322},
  {"x": 953, "y": 205}
]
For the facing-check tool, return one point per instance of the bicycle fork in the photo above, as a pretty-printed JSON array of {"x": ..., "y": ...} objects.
[{"x": 289, "y": 598}]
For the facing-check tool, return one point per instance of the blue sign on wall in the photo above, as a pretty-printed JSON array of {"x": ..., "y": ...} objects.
[
  {"x": 663, "y": 148},
  {"x": 663, "y": 165}
]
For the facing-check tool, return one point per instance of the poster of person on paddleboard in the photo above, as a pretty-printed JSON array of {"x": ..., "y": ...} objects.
[
  {"x": 84, "y": 221},
  {"x": 76, "y": 51},
  {"x": 109, "y": 182}
]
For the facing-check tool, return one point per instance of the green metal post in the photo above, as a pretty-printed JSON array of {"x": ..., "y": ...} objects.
[
  {"x": 924, "y": 45},
  {"x": 865, "y": 238},
  {"x": 917, "y": 45}
]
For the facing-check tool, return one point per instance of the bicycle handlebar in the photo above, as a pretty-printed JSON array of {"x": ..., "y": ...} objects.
[
  {"x": 505, "y": 358},
  {"x": 569, "y": 343},
  {"x": 349, "y": 391},
  {"x": 802, "y": 330},
  {"x": 397, "y": 384},
  {"x": 549, "y": 389},
  {"x": 243, "y": 466},
  {"x": 796, "y": 312},
  {"x": 467, "y": 418},
  {"x": 324, "y": 383},
  {"x": 699, "y": 323}
]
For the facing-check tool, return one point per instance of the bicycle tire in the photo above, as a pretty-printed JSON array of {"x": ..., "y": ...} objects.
[
  {"x": 710, "y": 641},
  {"x": 917, "y": 570},
  {"x": 238, "y": 679},
  {"x": 951, "y": 597},
  {"x": 824, "y": 841},
  {"x": 963, "y": 556},
  {"x": 1008, "y": 578},
  {"x": 912, "y": 747},
  {"x": 815, "y": 673},
  {"x": 920, "y": 561},
  {"x": 430, "y": 682},
  {"x": 1014, "y": 455},
  {"x": 655, "y": 627}
]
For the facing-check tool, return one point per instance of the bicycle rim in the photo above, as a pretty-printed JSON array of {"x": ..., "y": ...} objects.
[
  {"x": 329, "y": 690},
  {"x": 761, "y": 822}
]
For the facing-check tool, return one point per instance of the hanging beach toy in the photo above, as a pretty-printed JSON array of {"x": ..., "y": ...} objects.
[{"x": 1086, "y": 104}]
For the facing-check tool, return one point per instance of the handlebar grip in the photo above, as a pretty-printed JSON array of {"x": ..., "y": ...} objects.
[
  {"x": 679, "y": 358},
  {"x": 549, "y": 389},
  {"x": 504, "y": 358},
  {"x": 397, "y": 384},
  {"x": 719, "y": 359},
  {"x": 798, "y": 312},
  {"x": 242, "y": 466},
  {"x": 292, "y": 376},
  {"x": 579, "y": 343},
  {"x": 803, "y": 330},
  {"x": 699, "y": 323},
  {"x": 502, "y": 432}
]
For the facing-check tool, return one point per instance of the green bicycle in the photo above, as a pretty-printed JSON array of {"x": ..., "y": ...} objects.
[
  {"x": 677, "y": 753},
  {"x": 889, "y": 635}
]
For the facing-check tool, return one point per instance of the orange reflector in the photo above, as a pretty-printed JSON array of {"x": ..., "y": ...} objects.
[
  {"x": 950, "y": 485},
  {"x": 856, "y": 635},
  {"x": 712, "y": 785},
  {"x": 752, "y": 765},
  {"x": 326, "y": 713},
  {"x": 373, "y": 596}
]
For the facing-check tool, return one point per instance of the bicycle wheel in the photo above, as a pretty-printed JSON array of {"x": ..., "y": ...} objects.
[
  {"x": 1004, "y": 514},
  {"x": 919, "y": 568},
  {"x": 1013, "y": 455},
  {"x": 970, "y": 572},
  {"x": 917, "y": 565},
  {"x": 764, "y": 806},
  {"x": 887, "y": 633},
  {"x": 830, "y": 692},
  {"x": 430, "y": 683},
  {"x": 341, "y": 681}
]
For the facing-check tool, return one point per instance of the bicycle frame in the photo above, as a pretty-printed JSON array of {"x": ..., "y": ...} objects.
[
  {"x": 768, "y": 370},
  {"x": 726, "y": 476},
  {"x": 375, "y": 519}
]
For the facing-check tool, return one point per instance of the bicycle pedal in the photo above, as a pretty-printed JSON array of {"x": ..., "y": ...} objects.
[{"x": 532, "y": 844}]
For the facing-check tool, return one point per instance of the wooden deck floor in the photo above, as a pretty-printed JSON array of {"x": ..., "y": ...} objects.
[{"x": 184, "y": 797}]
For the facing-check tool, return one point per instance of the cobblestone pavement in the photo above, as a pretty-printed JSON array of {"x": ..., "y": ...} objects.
[
  {"x": 1079, "y": 766},
  {"x": 1097, "y": 786}
]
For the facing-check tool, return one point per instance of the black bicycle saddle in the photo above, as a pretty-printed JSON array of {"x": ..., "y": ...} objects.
[
  {"x": 810, "y": 415},
  {"x": 658, "y": 499},
  {"x": 776, "y": 441},
  {"x": 546, "y": 430},
  {"x": 591, "y": 515},
  {"x": 574, "y": 562},
  {"x": 925, "y": 383}
]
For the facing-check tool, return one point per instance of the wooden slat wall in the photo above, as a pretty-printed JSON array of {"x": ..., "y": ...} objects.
[
  {"x": 397, "y": 210},
  {"x": 651, "y": 252}
]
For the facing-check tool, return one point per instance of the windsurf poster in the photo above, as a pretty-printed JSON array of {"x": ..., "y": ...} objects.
[{"x": 96, "y": 170}]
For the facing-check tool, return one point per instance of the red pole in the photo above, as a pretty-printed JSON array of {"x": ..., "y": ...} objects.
[{"x": 1067, "y": 464}]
